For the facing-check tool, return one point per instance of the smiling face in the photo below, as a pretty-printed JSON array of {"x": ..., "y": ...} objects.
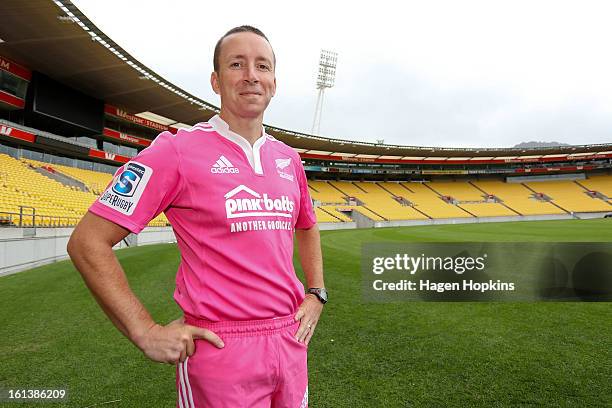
[{"x": 245, "y": 78}]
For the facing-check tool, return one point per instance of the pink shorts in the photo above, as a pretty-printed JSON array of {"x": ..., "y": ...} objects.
[{"x": 261, "y": 365}]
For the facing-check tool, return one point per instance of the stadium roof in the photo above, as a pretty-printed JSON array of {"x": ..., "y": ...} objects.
[{"x": 57, "y": 39}]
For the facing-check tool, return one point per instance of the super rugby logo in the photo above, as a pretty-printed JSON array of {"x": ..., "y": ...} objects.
[
  {"x": 128, "y": 181},
  {"x": 127, "y": 188},
  {"x": 253, "y": 204}
]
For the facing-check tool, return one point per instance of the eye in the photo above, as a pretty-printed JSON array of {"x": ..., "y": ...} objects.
[
  {"x": 235, "y": 65},
  {"x": 264, "y": 67}
]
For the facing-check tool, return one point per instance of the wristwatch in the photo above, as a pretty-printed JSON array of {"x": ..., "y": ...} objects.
[{"x": 320, "y": 293}]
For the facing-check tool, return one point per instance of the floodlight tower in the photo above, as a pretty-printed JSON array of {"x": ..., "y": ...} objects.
[{"x": 325, "y": 79}]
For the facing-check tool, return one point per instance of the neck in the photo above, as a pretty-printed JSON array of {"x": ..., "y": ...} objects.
[{"x": 248, "y": 128}]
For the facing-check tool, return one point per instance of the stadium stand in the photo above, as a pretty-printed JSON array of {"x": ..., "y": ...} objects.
[
  {"x": 369, "y": 199},
  {"x": 327, "y": 200},
  {"x": 29, "y": 198},
  {"x": 517, "y": 198},
  {"x": 383, "y": 202},
  {"x": 468, "y": 197},
  {"x": 569, "y": 196},
  {"x": 458, "y": 189},
  {"x": 484, "y": 209},
  {"x": 30, "y": 194},
  {"x": 599, "y": 183},
  {"x": 325, "y": 216},
  {"x": 358, "y": 195},
  {"x": 39, "y": 200},
  {"x": 458, "y": 199},
  {"x": 325, "y": 193},
  {"x": 431, "y": 203},
  {"x": 95, "y": 181},
  {"x": 335, "y": 212}
]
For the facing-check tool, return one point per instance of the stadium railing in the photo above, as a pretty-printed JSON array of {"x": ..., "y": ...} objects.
[{"x": 21, "y": 220}]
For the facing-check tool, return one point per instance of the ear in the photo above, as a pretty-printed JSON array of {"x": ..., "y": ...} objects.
[
  {"x": 214, "y": 82},
  {"x": 274, "y": 90}
]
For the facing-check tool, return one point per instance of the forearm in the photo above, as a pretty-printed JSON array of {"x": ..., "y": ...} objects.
[
  {"x": 309, "y": 250},
  {"x": 106, "y": 280}
]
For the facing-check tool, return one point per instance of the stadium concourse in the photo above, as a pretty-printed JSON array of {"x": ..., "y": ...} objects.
[{"x": 73, "y": 111}]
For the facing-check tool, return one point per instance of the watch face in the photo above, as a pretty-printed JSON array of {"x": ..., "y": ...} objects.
[{"x": 321, "y": 293}]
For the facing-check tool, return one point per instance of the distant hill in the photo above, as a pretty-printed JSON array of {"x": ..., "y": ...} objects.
[{"x": 529, "y": 145}]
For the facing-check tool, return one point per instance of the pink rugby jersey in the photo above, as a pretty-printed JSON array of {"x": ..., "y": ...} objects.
[{"x": 233, "y": 208}]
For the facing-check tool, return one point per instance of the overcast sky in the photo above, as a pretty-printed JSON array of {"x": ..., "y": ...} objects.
[{"x": 426, "y": 73}]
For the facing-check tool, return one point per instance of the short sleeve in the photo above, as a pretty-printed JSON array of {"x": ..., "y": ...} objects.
[
  {"x": 143, "y": 187},
  {"x": 306, "y": 217}
]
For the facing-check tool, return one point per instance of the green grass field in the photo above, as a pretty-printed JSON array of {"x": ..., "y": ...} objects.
[{"x": 413, "y": 354}]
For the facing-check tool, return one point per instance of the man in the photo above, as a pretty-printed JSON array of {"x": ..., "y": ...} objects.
[{"x": 234, "y": 196}]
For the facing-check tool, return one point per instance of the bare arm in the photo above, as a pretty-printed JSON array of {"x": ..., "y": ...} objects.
[
  {"x": 309, "y": 250},
  {"x": 91, "y": 249}
]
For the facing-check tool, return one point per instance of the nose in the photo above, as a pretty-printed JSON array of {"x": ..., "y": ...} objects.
[{"x": 251, "y": 74}]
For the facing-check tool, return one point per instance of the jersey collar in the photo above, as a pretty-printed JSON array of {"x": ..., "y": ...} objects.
[{"x": 251, "y": 152}]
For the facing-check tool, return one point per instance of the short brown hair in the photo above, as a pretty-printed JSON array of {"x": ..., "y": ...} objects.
[{"x": 240, "y": 29}]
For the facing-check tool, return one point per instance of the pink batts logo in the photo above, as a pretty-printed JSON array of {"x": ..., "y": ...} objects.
[{"x": 253, "y": 204}]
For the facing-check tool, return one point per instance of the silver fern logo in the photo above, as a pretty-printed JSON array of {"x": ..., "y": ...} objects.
[{"x": 282, "y": 166}]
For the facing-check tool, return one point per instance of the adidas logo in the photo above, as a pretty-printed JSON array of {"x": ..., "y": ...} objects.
[{"x": 223, "y": 166}]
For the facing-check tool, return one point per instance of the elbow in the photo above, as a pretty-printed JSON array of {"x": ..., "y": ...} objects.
[
  {"x": 73, "y": 245},
  {"x": 83, "y": 243},
  {"x": 77, "y": 243}
]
